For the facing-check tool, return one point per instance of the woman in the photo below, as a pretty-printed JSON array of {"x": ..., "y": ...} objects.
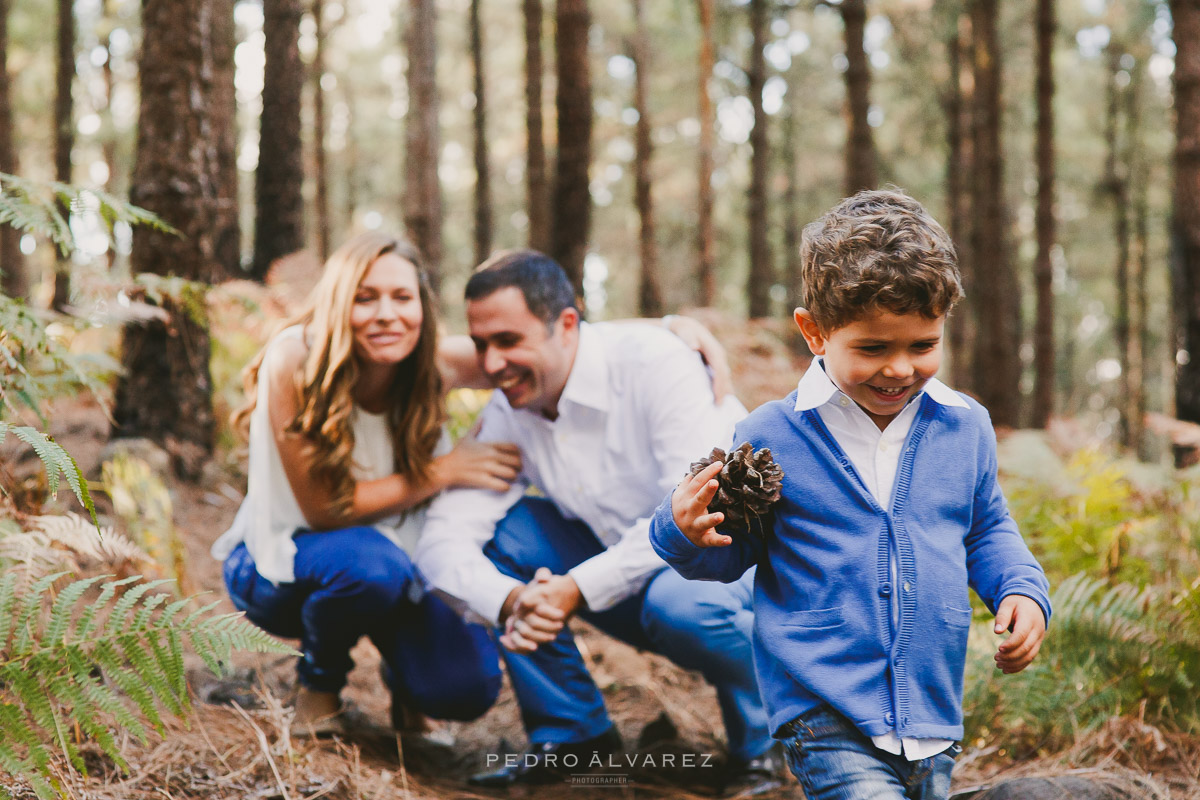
[{"x": 345, "y": 418}]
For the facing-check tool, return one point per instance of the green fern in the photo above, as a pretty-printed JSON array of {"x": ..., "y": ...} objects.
[
  {"x": 36, "y": 207},
  {"x": 1110, "y": 650},
  {"x": 57, "y": 462},
  {"x": 99, "y": 662}
]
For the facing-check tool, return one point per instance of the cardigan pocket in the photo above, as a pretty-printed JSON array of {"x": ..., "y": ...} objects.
[
  {"x": 956, "y": 617},
  {"x": 817, "y": 618}
]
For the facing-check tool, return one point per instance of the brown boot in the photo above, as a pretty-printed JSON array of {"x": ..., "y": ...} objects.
[{"x": 317, "y": 714}]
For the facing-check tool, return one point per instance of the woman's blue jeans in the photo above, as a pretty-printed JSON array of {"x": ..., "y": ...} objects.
[
  {"x": 355, "y": 582},
  {"x": 835, "y": 761}
]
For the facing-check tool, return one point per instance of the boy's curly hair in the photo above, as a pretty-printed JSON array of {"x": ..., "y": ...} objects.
[{"x": 879, "y": 250}]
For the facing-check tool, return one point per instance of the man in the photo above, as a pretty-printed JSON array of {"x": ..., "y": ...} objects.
[{"x": 608, "y": 419}]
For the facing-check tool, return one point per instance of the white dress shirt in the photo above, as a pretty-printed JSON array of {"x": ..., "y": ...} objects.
[
  {"x": 636, "y": 410},
  {"x": 875, "y": 455}
]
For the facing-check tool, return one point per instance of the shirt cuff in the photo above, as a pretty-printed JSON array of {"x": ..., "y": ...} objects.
[
  {"x": 601, "y": 583},
  {"x": 490, "y": 593}
]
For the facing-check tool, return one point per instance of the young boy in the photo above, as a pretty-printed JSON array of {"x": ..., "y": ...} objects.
[{"x": 890, "y": 509}]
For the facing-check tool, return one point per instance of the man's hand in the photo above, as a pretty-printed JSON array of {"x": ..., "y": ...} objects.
[
  {"x": 696, "y": 336},
  {"x": 540, "y": 611},
  {"x": 689, "y": 507},
  {"x": 1028, "y": 625}
]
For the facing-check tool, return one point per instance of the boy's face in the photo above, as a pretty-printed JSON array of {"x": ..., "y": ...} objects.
[{"x": 880, "y": 360}]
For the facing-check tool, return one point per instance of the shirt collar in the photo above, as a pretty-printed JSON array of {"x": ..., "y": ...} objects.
[
  {"x": 588, "y": 383},
  {"x": 816, "y": 389}
]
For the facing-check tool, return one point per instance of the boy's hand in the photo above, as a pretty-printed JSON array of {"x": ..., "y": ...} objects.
[
  {"x": 1028, "y": 625},
  {"x": 689, "y": 507}
]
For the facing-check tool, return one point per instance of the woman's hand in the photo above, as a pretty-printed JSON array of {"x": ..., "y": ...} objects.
[
  {"x": 700, "y": 339},
  {"x": 473, "y": 464}
]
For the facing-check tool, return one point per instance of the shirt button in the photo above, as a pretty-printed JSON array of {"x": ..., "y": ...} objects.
[
  {"x": 843, "y": 401},
  {"x": 883, "y": 447}
]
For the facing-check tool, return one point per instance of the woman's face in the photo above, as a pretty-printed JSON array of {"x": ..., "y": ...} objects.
[{"x": 385, "y": 319}]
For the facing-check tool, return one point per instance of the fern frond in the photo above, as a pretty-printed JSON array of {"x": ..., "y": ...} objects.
[
  {"x": 57, "y": 462},
  {"x": 8, "y": 597},
  {"x": 66, "y": 665}
]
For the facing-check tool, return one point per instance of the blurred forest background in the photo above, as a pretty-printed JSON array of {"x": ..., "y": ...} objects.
[{"x": 667, "y": 154}]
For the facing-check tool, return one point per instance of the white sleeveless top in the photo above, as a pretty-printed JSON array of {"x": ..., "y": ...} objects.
[{"x": 269, "y": 514}]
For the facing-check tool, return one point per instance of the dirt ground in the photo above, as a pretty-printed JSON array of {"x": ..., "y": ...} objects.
[{"x": 236, "y": 743}]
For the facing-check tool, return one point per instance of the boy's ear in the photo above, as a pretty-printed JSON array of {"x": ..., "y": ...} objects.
[{"x": 810, "y": 331}]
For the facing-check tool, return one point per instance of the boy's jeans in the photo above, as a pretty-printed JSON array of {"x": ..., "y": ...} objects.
[
  {"x": 355, "y": 582},
  {"x": 699, "y": 625},
  {"x": 835, "y": 761}
]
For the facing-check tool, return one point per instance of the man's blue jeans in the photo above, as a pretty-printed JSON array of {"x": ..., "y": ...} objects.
[
  {"x": 355, "y": 582},
  {"x": 836, "y": 761},
  {"x": 697, "y": 624}
]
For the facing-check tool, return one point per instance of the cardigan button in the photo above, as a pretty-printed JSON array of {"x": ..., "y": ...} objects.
[
  {"x": 906, "y": 720},
  {"x": 888, "y": 718},
  {"x": 885, "y": 590}
]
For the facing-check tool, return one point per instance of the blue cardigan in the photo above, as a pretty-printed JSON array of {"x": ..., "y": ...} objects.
[{"x": 823, "y": 592}]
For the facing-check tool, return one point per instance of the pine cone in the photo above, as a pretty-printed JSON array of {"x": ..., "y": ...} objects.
[{"x": 748, "y": 484}]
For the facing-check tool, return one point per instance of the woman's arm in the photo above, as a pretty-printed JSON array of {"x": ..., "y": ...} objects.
[{"x": 470, "y": 463}]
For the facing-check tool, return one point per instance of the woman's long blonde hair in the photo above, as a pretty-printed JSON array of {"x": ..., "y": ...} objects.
[{"x": 325, "y": 382}]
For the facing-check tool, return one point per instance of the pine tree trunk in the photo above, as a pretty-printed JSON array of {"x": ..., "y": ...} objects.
[
  {"x": 650, "y": 302},
  {"x": 997, "y": 302},
  {"x": 14, "y": 281},
  {"x": 959, "y": 99},
  {"x": 758, "y": 286},
  {"x": 1115, "y": 186},
  {"x": 279, "y": 180},
  {"x": 352, "y": 175},
  {"x": 227, "y": 235},
  {"x": 791, "y": 203},
  {"x": 321, "y": 161},
  {"x": 1185, "y": 223},
  {"x": 64, "y": 134},
  {"x": 1043, "y": 273},
  {"x": 537, "y": 186},
  {"x": 422, "y": 192},
  {"x": 706, "y": 277},
  {"x": 572, "y": 205},
  {"x": 166, "y": 391},
  {"x": 483, "y": 185},
  {"x": 860, "y": 146}
]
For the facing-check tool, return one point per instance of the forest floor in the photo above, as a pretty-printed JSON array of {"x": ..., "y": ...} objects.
[{"x": 236, "y": 742}]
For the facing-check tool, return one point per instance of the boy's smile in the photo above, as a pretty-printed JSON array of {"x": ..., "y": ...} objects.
[{"x": 881, "y": 360}]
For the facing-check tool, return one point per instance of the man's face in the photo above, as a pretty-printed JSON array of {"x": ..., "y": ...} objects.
[
  {"x": 520, "y": 355},
  {"x": 880, "y": 360}
]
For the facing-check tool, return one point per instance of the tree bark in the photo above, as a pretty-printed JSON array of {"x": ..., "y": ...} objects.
[
  {"x": 227, "y": 235},
  {"x": 165, "y": 392},
  {"x": 860, "y": 145},
  {"x": 422, "y": 192},
  {"x": 998, "y": 302},
  {"x": 320, "y": 160},
  {"x": 1185, "y": 223},
  {"x": 791, "y": 202},
  {"x": 279, "y": 211},
  {"x": 1139, "y": 180},
  {"x": 1044, "y": 222},
  {"x": 537, "y": 187},
  {"x": 483, "y": 186},
  {"x": 14, "y": 280},
  {"x": 650, "y": 302},
  {"x": 64, "y": 135},
  {"x": 959, "y": 101},
  {"x": 705, "y": 228},
  {"x": 761, "y": 276},
  {"x": 572, "y": 207}
]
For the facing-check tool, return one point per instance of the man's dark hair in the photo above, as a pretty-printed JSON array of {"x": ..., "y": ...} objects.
[{"x": 543, "y": 283}]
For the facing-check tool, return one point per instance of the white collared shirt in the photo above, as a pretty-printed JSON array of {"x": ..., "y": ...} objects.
[
  {"x": 636, "y": 410},
  {"x": 875, "y": 455}
]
